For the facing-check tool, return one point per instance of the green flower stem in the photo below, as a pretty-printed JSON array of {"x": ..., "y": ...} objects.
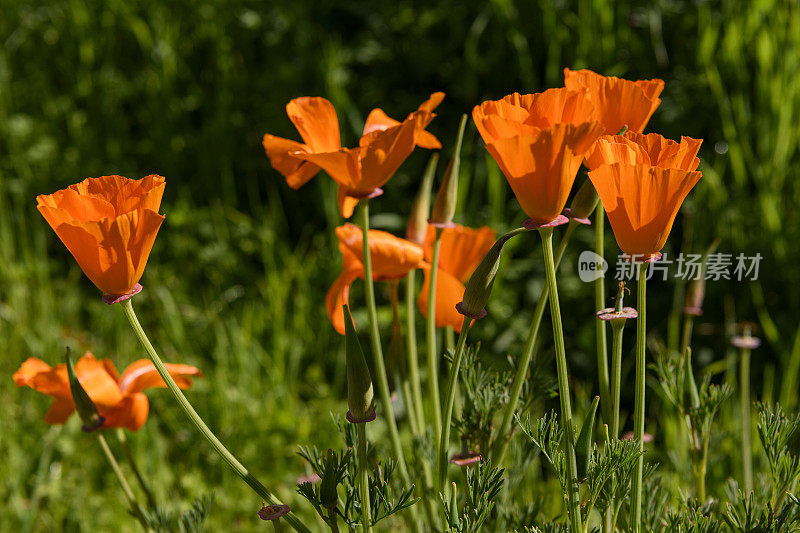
[
  {"x": 129, "y": 495},
  {"x": 401, "y": 378},
  {"x": 638, "y": 415},
  {"x": 573, "y": 499},
  {"x": 600, "y": 325},
  {"x": 433, "y": 353},
  {"x": 448, "y": 408},
  {"x": 701, "y": 471},
  {"x": 616, "y": 375},
  {"x": 686, "y": 337},
  {"x": 744, "y": 390},
  {"x": 201, "y": 426},
  {"x": 126, "y": 449},
  {"x": 411, "y": 347},
  {"x": 503, "y": 435},
  {"x": 363, "y": 478},
  {"x": 377, "y": 351}
]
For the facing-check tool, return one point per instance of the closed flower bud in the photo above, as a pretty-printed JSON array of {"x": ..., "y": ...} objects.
[
  {"x": 583, "y": 445},
  {"x": 479, "y": 286},
  {"x": 583, "y": 203},
  {"x": 417, "y": 227},
  {"x": 359, "y": 382},
  {"x": 444, "y": 208},
  {"x": 83, "y": 404},
  {"x": 328, "y": 496}
]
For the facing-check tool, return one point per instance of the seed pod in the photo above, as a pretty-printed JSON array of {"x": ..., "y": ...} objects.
[
  {"x": 444, "y": 208},
  {"x": 359, "y": 382},
  {"x": 83, "y": 404},
  {"x": 417, "y": 227}
]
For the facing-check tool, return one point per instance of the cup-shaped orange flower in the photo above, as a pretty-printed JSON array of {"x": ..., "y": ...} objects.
[
  {"x": 392, "y": 258},
  {"x": 642, "y": 181},
  {"x": 377, "y": 120},
  {"x": 539, "y": 141},
  {"x": 109, "y": 224},
  {"x": 617, "y": 102},
  {"x": 461, "y": 250},
  {"x": 119, "y": 399}
]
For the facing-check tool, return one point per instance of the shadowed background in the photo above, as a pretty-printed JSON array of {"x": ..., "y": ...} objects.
[{"x": 237, "y": 278}]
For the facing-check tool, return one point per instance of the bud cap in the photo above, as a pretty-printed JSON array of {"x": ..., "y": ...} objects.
[
  {"x": 359, "y": 383},
  {"x": 444, "y": 208}
]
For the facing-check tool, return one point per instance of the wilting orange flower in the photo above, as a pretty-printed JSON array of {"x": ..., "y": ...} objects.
[
  {"x": 392, "y": 258},
  {"x": 642, "y": 181},
  {"x": 119, "y": 399},
  {"x": 617, "y": 102},
  {"x": 539, "y": 141},
  {"x": 460, "y": 252},
  {"x": 109, "y": 224},
  {"x": 384, "y": 145}
]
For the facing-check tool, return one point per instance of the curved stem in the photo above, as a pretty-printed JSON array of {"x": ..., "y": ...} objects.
[
  {"x": 411, "y": 347},
  {"x": 747, "y": 452},
  {"x": 363, "y": 479},
  {"x": 448, "y": 409},
  {"x": 600, "y": 325},
  {"x": 201, "y": 426},
  {"x": 503, "y": 435},
  {"x": 638, "y": 415},
  {"x": 433, "y": 354},
  {"x": 135, "y": 508},
  {"x": 126, "y": 449},
  {"x": 563, "y": 383}
]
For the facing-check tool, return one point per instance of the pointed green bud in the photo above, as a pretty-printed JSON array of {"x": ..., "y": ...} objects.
[
  {"x": 583, "y": 446},
  {"x": 417, "y": 227},
  {"x": 444, "y": 208},
  {"x": 479, "y": 286},
  {"x": 583, "y": 204},
  {"x": 328, "y": 496},
  {"x": 83, "y": 404},
  {"x": 690, "y": 382},
  {"x": 359, "y": 382}
]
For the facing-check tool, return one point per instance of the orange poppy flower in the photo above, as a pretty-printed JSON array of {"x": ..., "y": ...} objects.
[
  {"x": 119, "y": 399},
  {"x": 316, "y": 121},
  {"x": 392, "y": 258},
  {"x": 539, "y": 141},
  {"x": 642, "y": 181},
  {"x": 109, "y": 224},
  {"x": 617, "y": 102},
  {"x": 460, "y": 253}
]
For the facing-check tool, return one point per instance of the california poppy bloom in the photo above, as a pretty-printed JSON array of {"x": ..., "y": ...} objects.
[
  {"x": 316, "y": 121},
  {"x": 109, "y": 224},
  {"x": 119, "y": 399},
  {"x": 539, "y": 141},
  {"x": 392, "y": 258},
  {"x": 642, "y": 181},
  {"x": 617, "y": 102},
  {"x": 460, "y": 252}
]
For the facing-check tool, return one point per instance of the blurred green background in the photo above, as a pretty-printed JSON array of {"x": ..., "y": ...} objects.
[{"x": 236, "y": 282}]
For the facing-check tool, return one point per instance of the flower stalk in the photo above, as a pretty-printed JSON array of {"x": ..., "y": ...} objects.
[
  {"x": 641, "y": 325},
  {"x": 433, "y": 353},
  {"x": 448, "y": 408},
  {"x": 136, "y": 509},
  {"x": 573, "y": 499},
  {"x": 200, "y": 425},
  {"x": 363, "y": 478}
]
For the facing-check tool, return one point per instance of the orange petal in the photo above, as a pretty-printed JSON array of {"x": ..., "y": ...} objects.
[
  {"x": 297, "y": 171},
  {"x": 392, "y": 257},
  {"x": 342, "y": 166},
  {"x": 463, "y": 248},
  {"x": 60, "y": 411},
  {"x": 30, "y": 368},
  {"x": 449, "y": 291},
  {"x": 101, "y": 387},
  {"x": 382, "y": 153},
  {"x": 378, "y": 120},
  {"x": 141, "y": 375},
  {"x": 347, "y": 204},
  {"x": 338, "y": 296},
  {"x": 542, "y": 169},
  {"x": 130, "y": 413},
  {"x": 315, "y": 119}
]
